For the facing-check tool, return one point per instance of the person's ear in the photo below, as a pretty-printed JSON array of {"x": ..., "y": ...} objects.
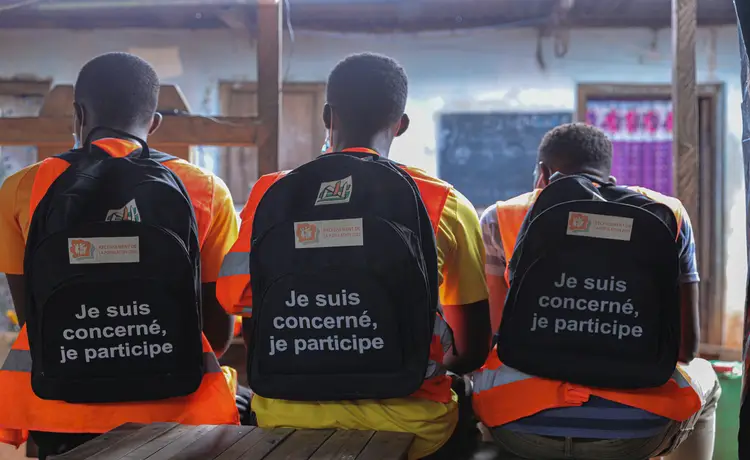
[
  {"x": 327, "y": 116},
  {"x": 155, "y": 123},
  {"x": 544, "y": 174},
  {"x": 613, "y": 180},
  {"x": 403, "y": 125},
  {"x": 80, "y": 114}
]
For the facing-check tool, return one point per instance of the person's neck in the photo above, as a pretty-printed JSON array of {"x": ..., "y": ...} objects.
[
  {"x": 105, "y": 133},
  {"x": 376, "y": 143},
  {"x": 596, "y": 174}
]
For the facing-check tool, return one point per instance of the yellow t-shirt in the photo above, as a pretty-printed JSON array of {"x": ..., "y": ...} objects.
[{"x": 461, "y": 264}]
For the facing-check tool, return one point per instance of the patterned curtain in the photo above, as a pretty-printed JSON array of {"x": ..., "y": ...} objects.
[{"x": 641, "y": 134}]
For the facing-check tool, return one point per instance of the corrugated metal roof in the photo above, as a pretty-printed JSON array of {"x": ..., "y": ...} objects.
[{"x": 357, "y": 15}]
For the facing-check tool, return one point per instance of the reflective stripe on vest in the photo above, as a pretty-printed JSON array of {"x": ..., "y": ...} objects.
[
  {"x": 235, "y": 275},
  {"x": 213, "y": 403},
  {"x": 503, "y": 394}
]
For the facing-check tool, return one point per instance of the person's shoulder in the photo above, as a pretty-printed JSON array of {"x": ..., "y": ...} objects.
[
  {"x": 193, "y": 176},
  {"x": 489, "y": 216},
  {"x": 674, "y": 203},
  {"x": 422, "y": 175},
  {"x": 21, "y": 179},
  {"x": 523, "y": 199}
]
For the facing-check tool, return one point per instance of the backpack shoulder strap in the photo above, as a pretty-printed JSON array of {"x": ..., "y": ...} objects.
[
  {"x": 49, "y": 170},
  {"x": 256, "y": 194},
  {"x": 161, "y": 157}
]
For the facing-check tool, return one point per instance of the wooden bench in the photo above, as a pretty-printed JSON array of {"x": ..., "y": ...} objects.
[{"x": 170, "y": 441}]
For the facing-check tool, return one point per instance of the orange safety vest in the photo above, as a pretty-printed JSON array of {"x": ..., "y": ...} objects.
[
  {"x": 235, "y": 276},
  {"x": 503, "y": 395},
  {"x": 212, "y": 404}
]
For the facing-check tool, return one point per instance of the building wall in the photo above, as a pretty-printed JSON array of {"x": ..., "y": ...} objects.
[{"x": 465, "y": 70}]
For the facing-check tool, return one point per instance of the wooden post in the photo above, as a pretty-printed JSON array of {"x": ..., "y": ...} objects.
[
  {"x": 685, "y": 144},
  {"x": 685, "y": 105},
  {"x": 270, "y": 36}
]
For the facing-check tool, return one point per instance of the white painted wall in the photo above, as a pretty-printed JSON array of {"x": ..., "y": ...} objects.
[{"x": 468, "y": 70}]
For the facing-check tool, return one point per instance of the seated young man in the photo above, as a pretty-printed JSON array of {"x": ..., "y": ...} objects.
[
  {"x": 115, "y": 93},
  {"x": 591, "y": 427},
  {"x": 366, "y": 99}
]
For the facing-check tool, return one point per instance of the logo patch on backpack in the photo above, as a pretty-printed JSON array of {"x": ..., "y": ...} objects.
[
  {"x": 600, "y": 226},
  {"x": 335, "y": 192},
  {"x": 328, "y": 233},
  {"x": 111, "y": 250},
  {"x": 129, "y": 212}
]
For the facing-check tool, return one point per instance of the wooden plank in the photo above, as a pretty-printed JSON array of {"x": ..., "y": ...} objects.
[
  {"x": 214, "y": 443},
  {"x": 390, "y": 446},
  {"x": 685, "y": 104},
  {"x": 256, "y": 445},
  {"x": 270, "y": 34},
  {"x": 21, "y": 87},
  {"x": 157, "y": 444},
  {"x": 189, "y": 437},
  {"x": 119, "y": 449},
  {"x": 175, "y": 131},
  {"x": 343, "y": 445},
  {"x": 299, "y": 446},
  {"x": 100, "y": 443}
]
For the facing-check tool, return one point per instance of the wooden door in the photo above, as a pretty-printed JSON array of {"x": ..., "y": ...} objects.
[{"x": 302, "y": 131}]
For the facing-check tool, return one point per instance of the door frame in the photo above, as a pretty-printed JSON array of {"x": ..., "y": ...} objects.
[{"x": 709, "y": 225}]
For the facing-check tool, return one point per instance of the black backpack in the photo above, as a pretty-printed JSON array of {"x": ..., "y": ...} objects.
[
  {"x": 344, "y": 278},
  {"x": 112, "y": 272},
  {"x": 594, "y": 293}
]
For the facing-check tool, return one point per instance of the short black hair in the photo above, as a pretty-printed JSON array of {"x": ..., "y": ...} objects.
[
  {"x": 368, "y": 92},
  {"x": 573, "y": 147},
  {"x": 118, "y": 90}
]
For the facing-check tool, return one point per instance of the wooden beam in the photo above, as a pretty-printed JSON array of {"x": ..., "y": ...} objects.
[
  {"x": 270, "y": 35},
  {"x": 177, "y": 130}
]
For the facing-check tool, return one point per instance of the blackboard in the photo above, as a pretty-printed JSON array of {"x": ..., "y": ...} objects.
[{"x": 491, "y": 156}]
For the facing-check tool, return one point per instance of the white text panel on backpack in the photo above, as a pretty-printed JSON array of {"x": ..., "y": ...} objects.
[
  {"x": 600, "y": 226},
  {"x": 116, "y": 250},
  {"x": 328, "y": 233}
]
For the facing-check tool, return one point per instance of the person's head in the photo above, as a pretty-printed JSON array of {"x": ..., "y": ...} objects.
[
  {"x": 117, "y": 90},
  {"x": 365, "y": 102},
  {"x": 574, "y": 148}
]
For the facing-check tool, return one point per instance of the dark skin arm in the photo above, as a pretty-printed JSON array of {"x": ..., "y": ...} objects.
[
  {"x": 217, "y": 324},
  {"x": 471, "y": 334},
  {"x": 18, "y": 294},
  {"x": 689, "y": 297}
]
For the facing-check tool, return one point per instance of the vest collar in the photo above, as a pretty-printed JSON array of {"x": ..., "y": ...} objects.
[
  {"x": 115, "y": 147},
  {"x": 359, "y": 150}
]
